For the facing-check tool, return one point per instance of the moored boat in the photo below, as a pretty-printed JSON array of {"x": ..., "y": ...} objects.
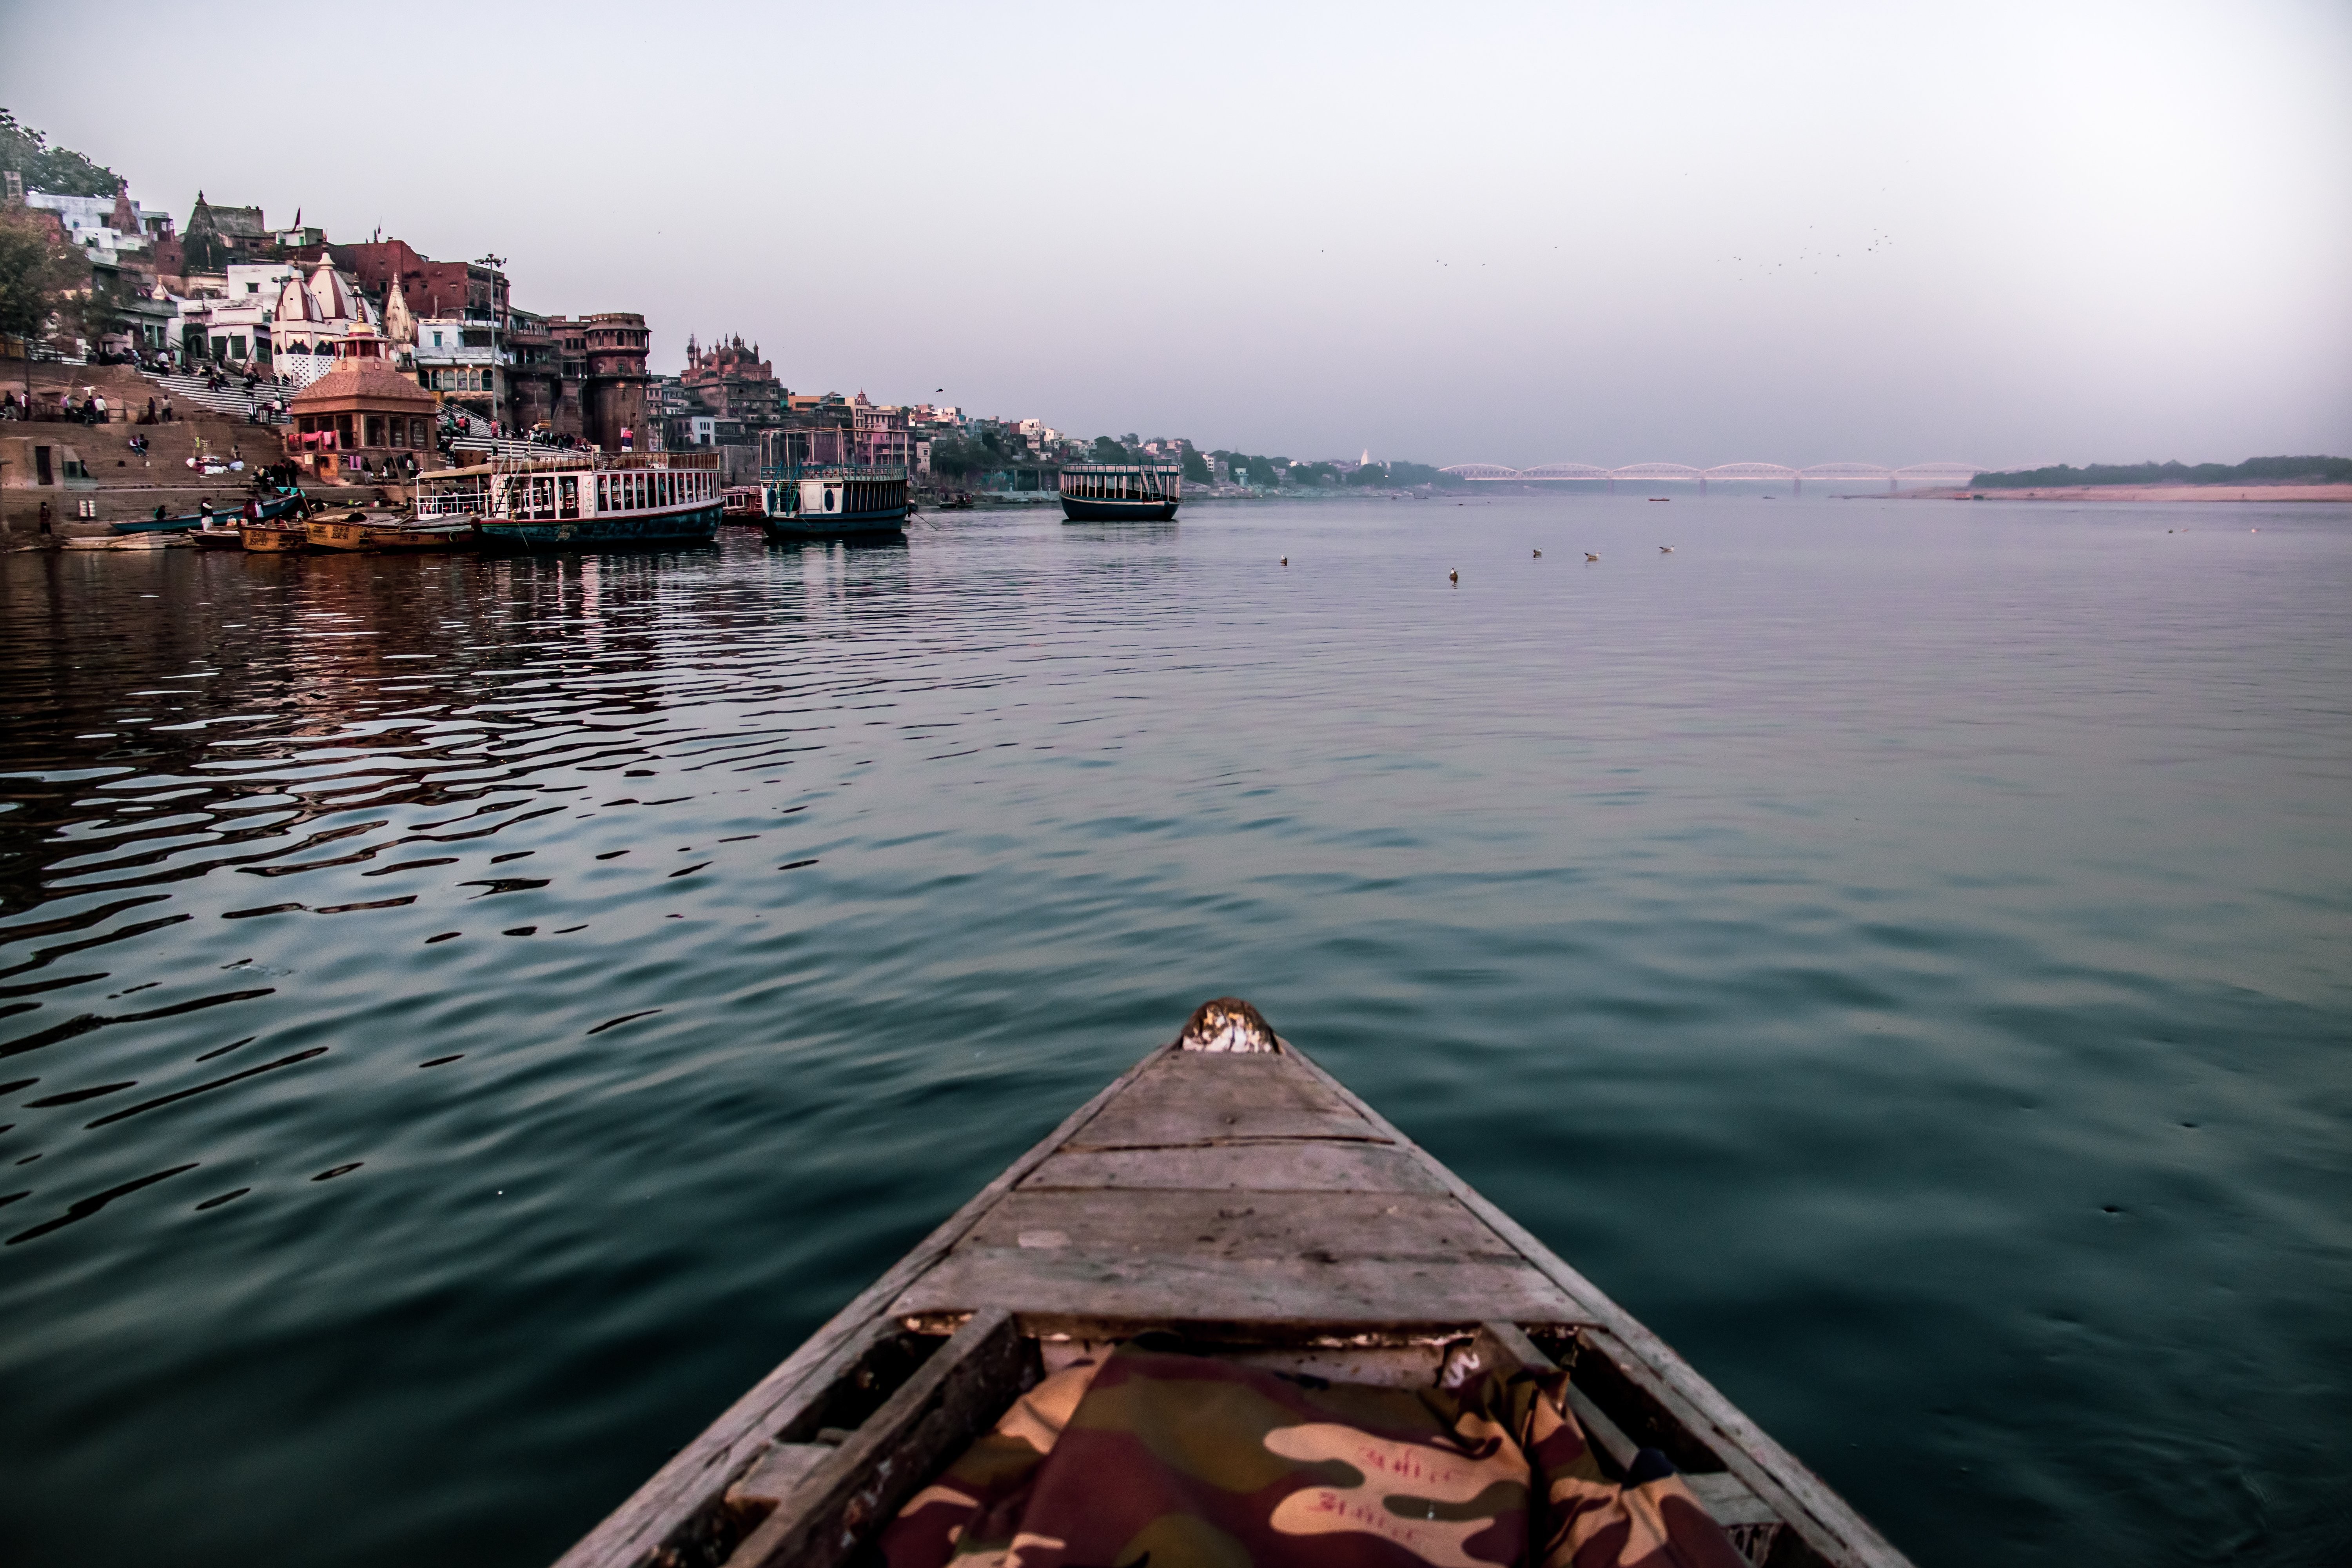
[
  {"x": 834, "y": 499},
  {"x": 1121, "y": 492},
  {"x": 228, "y": 537},
  {"x": 263, "y": 509},
  {"x": 745, "y": 504},
  {"x": 589, "y": 500},
  {"x": 182, "y": 523},
  {"x": 272, "y": 538},
  {"x": 126, "y": 541},
  {"x": 385, "y": 533},
  {"x": 1228, "y": 1198}
]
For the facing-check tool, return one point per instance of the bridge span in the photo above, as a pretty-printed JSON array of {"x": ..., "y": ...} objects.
[{"x": 1683, "y": 473}]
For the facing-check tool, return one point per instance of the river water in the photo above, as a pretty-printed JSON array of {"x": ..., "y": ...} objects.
[{"x": 466, "y": 1019}]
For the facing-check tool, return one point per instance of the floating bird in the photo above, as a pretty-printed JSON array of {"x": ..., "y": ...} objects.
[
  {"x": 1590, "y": 556},
  {"x": 1454, "y": 578},
  {"x": 1285, "y": 561},
  {"x": 1666, "y": 550},
  {"x": 1538, "y": 554}
]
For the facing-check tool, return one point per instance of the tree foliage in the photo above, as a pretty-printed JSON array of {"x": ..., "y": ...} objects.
[
  {"x": 957, "y": 455},
  {"x": 2254, "y": 470},
  {"x": 38, "y": 271},
  {"x": 59, "y": 169}
]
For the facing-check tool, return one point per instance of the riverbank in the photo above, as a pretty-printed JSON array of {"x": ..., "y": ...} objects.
[{"x": 2140, "y": 493}]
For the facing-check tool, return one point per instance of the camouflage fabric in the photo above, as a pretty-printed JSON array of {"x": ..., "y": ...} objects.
[{"x": 1148, "y": 1459}]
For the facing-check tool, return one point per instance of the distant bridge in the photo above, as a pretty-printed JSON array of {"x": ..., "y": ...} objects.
[{"x": 1661, "y": 473}]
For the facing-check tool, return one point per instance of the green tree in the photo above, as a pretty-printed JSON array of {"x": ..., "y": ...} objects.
[
  {"x": 957, "y": 456},
  {"x": 38, "y": 271},
  {"x": 1109, "y": 450},
  {"x": 1196, "y": 467},
  {"x": 59, "y": 169}
]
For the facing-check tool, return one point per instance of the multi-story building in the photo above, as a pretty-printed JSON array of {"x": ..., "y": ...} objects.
[
  {"x": 733, "y": 382},
  {"x": 106, "y": 228},
  {"x": 445, "y": 289},
  {"x": 604, "y": 355},
  {"x": 462, "y": 360}
]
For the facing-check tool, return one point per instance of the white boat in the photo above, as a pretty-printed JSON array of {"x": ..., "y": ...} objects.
[
  {"x": 574, "y": 500},
  {"x": 834, "y": 499}
]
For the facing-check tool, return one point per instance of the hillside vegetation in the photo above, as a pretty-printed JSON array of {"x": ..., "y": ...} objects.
[
  {"x": 59, "y": 169},
  {"x": 2252, "y": 471}
]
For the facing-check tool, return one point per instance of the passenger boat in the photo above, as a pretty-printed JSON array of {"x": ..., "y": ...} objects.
[
  {"x": 1121, "y": 492},
  {"x": 834, "y": 499},
  {"x": 745, "y": 504},
  {"x": 575, "y": 500},
  {"x": 1228, "y": 1192}
]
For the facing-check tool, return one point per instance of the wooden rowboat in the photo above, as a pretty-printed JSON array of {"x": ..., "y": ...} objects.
[
  {"x": 1227, "y": 1189},
  {"x": 361, "y": 530},
  {"x": 272, "y": 538}
]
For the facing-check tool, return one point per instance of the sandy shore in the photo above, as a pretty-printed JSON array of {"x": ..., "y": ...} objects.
[{"x": 2143, "y": 492}]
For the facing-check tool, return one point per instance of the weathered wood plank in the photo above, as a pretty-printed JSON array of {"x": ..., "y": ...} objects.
[
  {"x": 1078, "y": 1292},
  {"x": 1156, "y": 1254},
  {"x": 1324, "y": 1226},
  {"x": 700, "y": 1470},
  {"x": 1190, "y": 1098},
  {"x": 777, "y": 1473},
  {"x": 1284, "y": 1164},
  {"x": 860, "y": 1485}
]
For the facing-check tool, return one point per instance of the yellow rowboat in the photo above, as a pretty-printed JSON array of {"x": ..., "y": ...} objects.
[
  {"x": 271, "y": 539},
  {"x": 386, "y": 534}
]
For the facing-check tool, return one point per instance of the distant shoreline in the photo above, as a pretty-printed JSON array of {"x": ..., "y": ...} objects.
[{"x": 2335, "y": 492}]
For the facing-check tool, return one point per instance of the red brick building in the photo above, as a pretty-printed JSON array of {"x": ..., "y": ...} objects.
[
  {"x": 431, "y": 288},
  {"x": 733, "y": 382},
  {"x": 581, "y": 375}
]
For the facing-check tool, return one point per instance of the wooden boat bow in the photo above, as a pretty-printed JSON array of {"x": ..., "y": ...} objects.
[{"x": 1226, "y": 1188}]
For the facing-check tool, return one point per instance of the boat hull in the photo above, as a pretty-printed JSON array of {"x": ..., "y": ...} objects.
[
  {"x": 217, "y": 538},
  {"x": 697, "y": 525},
  {"x": 269, "y": 539},
  {"x": 159, "y": 524},
  {"x": 1077, "y": 509},
  {"x": 820, "y": 525}
]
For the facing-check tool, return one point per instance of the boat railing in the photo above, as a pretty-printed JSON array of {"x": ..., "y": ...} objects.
[{"x": 785, "y": 473}]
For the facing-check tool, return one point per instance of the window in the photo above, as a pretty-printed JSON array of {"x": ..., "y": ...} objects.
[
  {"x": 568, "y": 489},
  {"x": 375, "y": 429}
]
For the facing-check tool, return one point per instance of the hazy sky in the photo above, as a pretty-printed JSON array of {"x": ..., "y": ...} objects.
[{"x": 1994, "y": 232}]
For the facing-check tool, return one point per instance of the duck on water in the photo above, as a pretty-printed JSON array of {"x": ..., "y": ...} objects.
[{"x": 1227, "y": 1313}]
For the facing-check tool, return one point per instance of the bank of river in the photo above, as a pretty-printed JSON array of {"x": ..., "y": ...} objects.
[{"x": 463, "y": 1020}]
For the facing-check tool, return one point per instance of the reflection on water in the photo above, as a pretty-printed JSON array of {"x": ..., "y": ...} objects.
[{"x": 462, "y": 1020}]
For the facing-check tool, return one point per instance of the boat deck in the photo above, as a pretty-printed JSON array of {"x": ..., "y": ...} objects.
[{"x": 1248, "y": 1201}]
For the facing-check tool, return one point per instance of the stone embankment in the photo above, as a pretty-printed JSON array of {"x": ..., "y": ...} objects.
[{"x": 121, "y": 483}]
